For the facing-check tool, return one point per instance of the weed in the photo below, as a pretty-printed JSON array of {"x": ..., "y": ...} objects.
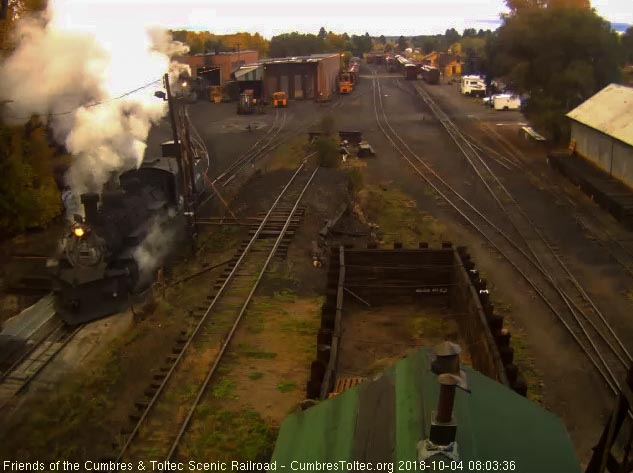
[
  {"x": 355, "y": 180},
  {"x": 389, "y": 208},
  {"x": 203, "y": 410},
  {"x": 525, "y": 363},
  {"x": 286, "y": 386},
  {"x": 255, "y": 375},
  {"x": 260, "y": 355},
  {"x": 227, "y": 435},
  {"x": 224, "y": 389},
  {"x": 285, "y": 296},
  {"x": 301, "y": 326},
  {"x": 288, "y": 155}
]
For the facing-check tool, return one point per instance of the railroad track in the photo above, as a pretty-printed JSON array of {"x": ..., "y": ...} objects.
[
  {"x": 179, "y": 387},
  {"x": 536, "y": 259},
  {"x": 33, "y": 360},
  {"x": 619, "y": 245},
  {"x": 265, "y": 144}
]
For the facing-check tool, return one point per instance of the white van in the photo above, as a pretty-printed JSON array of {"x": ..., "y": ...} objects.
[
  {"x": 473, "y": 85},
  {"x": 506, "y": 102}
]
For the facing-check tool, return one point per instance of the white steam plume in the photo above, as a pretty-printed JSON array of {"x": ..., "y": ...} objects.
[
  {"x": 154, "y": 248},
  {"x": 70, "y": 58}
]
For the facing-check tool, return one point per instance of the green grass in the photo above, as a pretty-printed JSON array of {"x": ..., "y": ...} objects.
[
  {"x": 285, "y": 296},
  {"x": 224, "y": 389},
  {"x": 286, "y": 386},
  {"x": 304, "y": 327},
  {"x": 224, "y": 237},
  {"x": 232, "y": 435},
  {"x": 398, "y": 217},
  {"x": 255, "y": 375},
  {"x": 289, "y": 155},
  {"x": 260, "y": 355}
]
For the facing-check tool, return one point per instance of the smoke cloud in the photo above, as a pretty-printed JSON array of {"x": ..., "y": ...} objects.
[
  {"x": 155, "y": 247},
  {"x": 77, "y": 70}
]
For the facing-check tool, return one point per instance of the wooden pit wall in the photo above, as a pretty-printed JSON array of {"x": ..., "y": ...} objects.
[
  {"x": 474, "y": 323},
  {"x": 451, "y": 281}
]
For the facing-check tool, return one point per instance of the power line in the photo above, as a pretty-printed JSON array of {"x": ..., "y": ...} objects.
[{"x": 94, "y": 104}]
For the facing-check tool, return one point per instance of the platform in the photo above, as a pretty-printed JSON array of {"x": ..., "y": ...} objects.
[{"x": 608, "y": 192}]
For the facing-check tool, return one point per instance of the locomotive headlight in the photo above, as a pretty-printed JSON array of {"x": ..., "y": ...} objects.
[
  {"x": 184, "y": 84},
  {"x": 78, "y": 231}
]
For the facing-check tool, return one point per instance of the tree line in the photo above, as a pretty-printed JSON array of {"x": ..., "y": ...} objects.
[{"x": 30, "y": 163}]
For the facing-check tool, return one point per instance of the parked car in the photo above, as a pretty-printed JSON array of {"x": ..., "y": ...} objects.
[{"x": 506, "y": 102}]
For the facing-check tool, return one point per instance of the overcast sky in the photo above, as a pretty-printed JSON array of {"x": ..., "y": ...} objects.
[{"x": 407, "y": 17}]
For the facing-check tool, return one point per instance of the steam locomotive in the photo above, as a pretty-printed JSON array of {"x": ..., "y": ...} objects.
[{"x": 102, "y": 261}]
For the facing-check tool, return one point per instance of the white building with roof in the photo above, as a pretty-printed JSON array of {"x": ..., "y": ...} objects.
[{"x": 602, "y": 131}]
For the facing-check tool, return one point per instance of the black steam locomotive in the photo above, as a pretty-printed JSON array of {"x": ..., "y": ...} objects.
[{"x": 99, "y": 266}]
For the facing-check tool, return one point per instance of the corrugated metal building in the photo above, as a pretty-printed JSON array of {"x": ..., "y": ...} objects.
[
  {"x": 392, "y": 417},
  {"x": 602, "y": 131},
  {"x": 228, "y": 62},
  {"x": 304, "y": 77}
]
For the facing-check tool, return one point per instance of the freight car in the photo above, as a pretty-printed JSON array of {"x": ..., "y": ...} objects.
[
  {"x": 430, "y": 74},
  {"x": 111, "y": 252}
]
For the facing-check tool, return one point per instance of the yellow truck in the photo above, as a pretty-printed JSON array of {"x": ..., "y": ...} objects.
[{"x": 279, "y": 99}]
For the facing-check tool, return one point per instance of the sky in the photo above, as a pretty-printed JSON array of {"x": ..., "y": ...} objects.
[{"x": 406, "y": 17}]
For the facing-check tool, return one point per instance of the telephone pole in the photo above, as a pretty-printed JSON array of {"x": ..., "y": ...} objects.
[{"x": 185, "y": 167}]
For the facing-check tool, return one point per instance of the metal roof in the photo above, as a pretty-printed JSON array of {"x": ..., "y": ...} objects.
[
  {"x": 242, "y": 71},
  {"x": 296, "y": 59},
  {"x": 384, "y": 419},
  {"x": 609, "y": 111}
]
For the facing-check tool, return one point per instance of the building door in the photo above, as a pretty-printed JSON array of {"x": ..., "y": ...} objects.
[
  {"x": 284, "y": 85},
  {"x": 308, "y": 86},
  {"x": 298, "y": 88},
  {"x": 271, "y": 85}
]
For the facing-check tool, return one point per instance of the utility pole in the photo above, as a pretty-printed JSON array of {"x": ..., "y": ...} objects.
[
  {"x": 174, "y": 129},
  {"x": 185, "y": 174}
]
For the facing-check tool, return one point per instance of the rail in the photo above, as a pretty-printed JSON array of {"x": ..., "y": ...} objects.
[
  {"x": 513, "y": 253},
  {"x": 153, "y": 401}
]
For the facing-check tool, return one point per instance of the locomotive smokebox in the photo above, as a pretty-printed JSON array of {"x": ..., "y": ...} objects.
[{"x": 90, "y": 200}]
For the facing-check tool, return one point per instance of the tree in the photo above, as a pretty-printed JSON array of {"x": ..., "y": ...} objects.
[
  {"x": 360, "y": 44},
  {"x": 322, "y": 33},
  {"x": 29, "y": 196},
  {"x": 402, "y": 44},
  {"x": 626, "y": 42},
  {"x": 469, "y": 32},
  {"x": 517, "y": 6},
  {"x": 450, "y": 37},
  {"x": 559, "y": 57},
  {"x": 430, "y": 44},
  {"x": 295, "y": 44},
  {"x": 382, "y": 40}
]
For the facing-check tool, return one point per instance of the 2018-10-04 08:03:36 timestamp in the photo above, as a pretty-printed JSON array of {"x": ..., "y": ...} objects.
[{"x": 457, "y": 465}]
